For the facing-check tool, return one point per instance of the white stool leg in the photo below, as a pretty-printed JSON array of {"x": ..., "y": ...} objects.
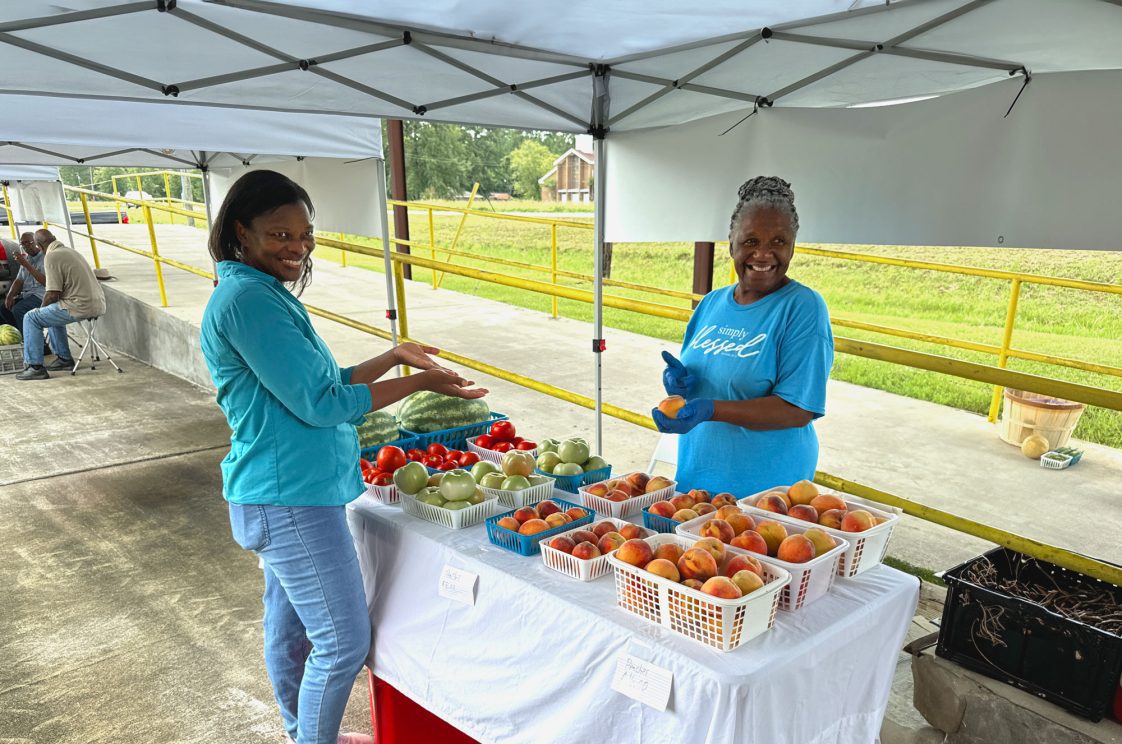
[
  {"x": 99, "y": 348},
  {"x": 85, "y": 346}
]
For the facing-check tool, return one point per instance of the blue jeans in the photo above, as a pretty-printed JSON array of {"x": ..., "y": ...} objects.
[
  {"x": 55, "y": 320},
  {"x": 313, "y": 594}
]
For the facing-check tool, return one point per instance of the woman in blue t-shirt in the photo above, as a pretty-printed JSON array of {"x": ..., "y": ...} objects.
[
  {"x": 293, "y": 461},
  {"x": 755, "y": 359}
]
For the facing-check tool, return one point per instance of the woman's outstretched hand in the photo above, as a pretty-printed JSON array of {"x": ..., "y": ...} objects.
[
  {"x": 416, "y": 356},
  {"x": 447, "y": 382}
]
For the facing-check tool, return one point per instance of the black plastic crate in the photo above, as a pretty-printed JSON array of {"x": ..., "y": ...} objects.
[{"x": 1064, "y": 661}]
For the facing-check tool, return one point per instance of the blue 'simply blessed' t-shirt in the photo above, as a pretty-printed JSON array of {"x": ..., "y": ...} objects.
[{"x": 778, "y": 345}]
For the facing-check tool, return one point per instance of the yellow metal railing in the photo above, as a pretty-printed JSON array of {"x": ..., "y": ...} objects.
[{"x": 168, "y": 199}]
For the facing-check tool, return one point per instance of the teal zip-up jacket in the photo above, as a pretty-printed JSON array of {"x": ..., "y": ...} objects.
[{"x": 292, "y": 410}]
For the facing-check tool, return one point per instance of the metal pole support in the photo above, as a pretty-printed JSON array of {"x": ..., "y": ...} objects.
[
  {"x": 156, "y": 256},
  {"x": 89, "y": 229},
  {"x": 1006, "y": 342}
]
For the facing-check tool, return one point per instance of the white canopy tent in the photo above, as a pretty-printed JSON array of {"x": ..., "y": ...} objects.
[{"x": 577, "y": 66}]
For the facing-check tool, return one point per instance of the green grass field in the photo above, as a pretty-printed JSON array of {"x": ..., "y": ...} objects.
[{"x": 1050, "y": 320}]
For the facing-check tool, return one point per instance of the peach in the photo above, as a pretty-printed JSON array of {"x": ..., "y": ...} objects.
[
  {"x": 723, "y": 587},
  {"x": 747, "y": 581},
  {"x": 636, "y": 552},
  {"x": 557, "y": 519},
  {"x": 796, "y": 549},
  {"x": 525, "y": 514},
  {"x": 533, "y": 527},
  {"x": 610, "y": 542},
  {"x": 638, "y": 481},
  {"x": 773, "y": 534},
  {"x": 703, "y": 509},
  {"x": 802, "y": 492},
  {"x": 547, "y": 507},
  {"x": 692, "y": 583},
  {"x": 742, "y": 563},
  {"x": 563, "y": 543},
  {"x": 831, "y": 518},
  {"x": 740, "y": 522},
  {"x": 726, "y": 511},
  {"x": 632, "y": 531},
  {"x": 509, "y": 523},
  {"x": 685, "y": 515},
  {"x": 599, "y": 490},
  {"x": 576, "y": 513},
  {"x": 664, "y": 568},
  {"x": 617, "y": 495},
  {"x": 682, "y": 501},
  {"x": 857, "y": 520},
  {"x": 805, "y": 512},
  {"x": 622, "y": 485},
  {"x": 586, "y": 551},
  {"x": 669, "y": 551},
  {"x": 750, "y": 540},
  {"x": 719, "y": 529},
  {"x": 723, "y": 499},
  {"x": 657, "y": 483},
  {"x": 585, "y": 536},
  {"x": 662, "y": 509},
  {"x": 697, "y": 563},
  {"x": 715, "y": 547},
  {"x": 771, "y": 502},
  {"x": 602, "y": 528},
  {"x": 826, "y": 501},
  {"x": 699, "y": 495},
  {"x": 669, "y": 407},
  {"x": 823, "y": 543},
  {"x": 781, "y": 494}
]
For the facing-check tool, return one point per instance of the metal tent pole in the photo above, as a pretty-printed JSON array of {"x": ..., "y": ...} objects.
[
  {"x": 66, "y": 213},
  {"x": 598, "y": 344},
  {"x": 387, "y": 247},
  {"x": 209, "y": 211}
]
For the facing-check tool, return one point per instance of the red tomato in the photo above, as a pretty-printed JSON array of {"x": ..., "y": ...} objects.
[
  {"x": 453, "y": 455},
  {"x": 502, "y": 431},
  {"x": 503, "y": 447},
  {"x": 526, "y": 445},
  {"x": 432, "y": 461},
  {"x": 438, "y": 449},
  {"x": 391, "y": 458},
  {"x": 368, "y": 476},
  {"x": 383, "y": 479},
  {"x": 365, "y": 464},
  {"x": 517, "y": 441},
  {"x": 468, "y": 459},
  {"x": 415, "y": 455},
  {"x": 448, "y": 465},
  {"x": 485, "y": 442}
]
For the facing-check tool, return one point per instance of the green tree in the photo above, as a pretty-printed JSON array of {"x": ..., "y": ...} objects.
[
  {"x": 530, "y": 161},
  {"x": 438, "y": 160}
]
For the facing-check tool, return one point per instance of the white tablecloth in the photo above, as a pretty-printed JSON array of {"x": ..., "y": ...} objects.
[{"x": 533, "y": 659}]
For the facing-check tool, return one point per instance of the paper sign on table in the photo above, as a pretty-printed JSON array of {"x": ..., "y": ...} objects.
[
  {"x": 458, "y": 584},
  {"x": 643, "y": 681}
]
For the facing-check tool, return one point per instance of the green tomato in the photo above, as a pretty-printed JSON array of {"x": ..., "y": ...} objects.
[
  {"x": 595, "y": 463},
  {"x": 518, "y": 462},
  {"x": 547, "y": 461},
  {"x": 568, "y": 468},
  {"x": 457, "y": 485},
  {"x": 411, "y": 478},
  {"x": 515, "y": 483},
  {"x": 482, "y": 468},
  {"x": 547, "y": 445},
  {"x": 477, "y": 498},
  {"x": 493, "y": 480},
  {"x": 456, "y": 505},
  {"x": 573, "y": 451},
  {"x": 430, "y": 496}
]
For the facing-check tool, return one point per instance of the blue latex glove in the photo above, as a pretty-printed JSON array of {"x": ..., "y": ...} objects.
[
  {"x": 675, "y": 378},
  {"x": 690, "y": 415}
]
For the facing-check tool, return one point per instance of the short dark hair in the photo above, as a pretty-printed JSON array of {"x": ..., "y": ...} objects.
[
  {"x": 764, "y": 191},
  {"x": 254, "y": 194}
]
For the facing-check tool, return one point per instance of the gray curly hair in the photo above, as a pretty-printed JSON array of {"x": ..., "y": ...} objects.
[{"x": 765, "y": 191}]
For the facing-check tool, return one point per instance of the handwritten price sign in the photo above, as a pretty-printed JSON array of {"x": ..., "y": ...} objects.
[
  {"x": 458, "y": 585},
  {"x": 643, "y": 681}
]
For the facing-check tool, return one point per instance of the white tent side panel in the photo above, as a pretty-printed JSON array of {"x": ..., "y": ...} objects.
[
  {"x": 949, "y": 171},
  {"x": 345, "y": 194},
  {"x": 10, "y": 172},
  {"x": 35, "y": 202}
]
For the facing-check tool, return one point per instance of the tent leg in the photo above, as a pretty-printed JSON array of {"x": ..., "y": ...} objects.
[
  {"x": 209, "y": 213},
  {"x": 66, "y": 214},
  {"x": 387, "y": 247},
  {"x": 598, "y": 344}
]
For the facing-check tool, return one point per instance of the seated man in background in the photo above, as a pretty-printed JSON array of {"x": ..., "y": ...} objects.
[
  {"x": 26, "y": 291},
  {"x": 71, "y": 294}
]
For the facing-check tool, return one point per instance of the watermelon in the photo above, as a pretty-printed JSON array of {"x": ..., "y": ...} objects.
[
  {"x": 426, "y": 411},
  {"x": 378, "y": 428},
  {"x": 9, "y": 336}
]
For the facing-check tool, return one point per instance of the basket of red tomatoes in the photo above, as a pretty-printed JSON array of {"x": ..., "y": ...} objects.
[
  {"x": 438, "y": 458},
  {"x": 378, "y": 465},
  {"x": 501, "y": 438}
]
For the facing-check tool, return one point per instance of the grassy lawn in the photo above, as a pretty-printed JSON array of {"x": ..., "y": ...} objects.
[
  {"x": 1052, "y": 320},
  {"x": 513, "y": 205}
]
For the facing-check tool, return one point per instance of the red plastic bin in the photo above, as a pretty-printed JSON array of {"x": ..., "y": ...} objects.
[{"x": 397, "y": 719}]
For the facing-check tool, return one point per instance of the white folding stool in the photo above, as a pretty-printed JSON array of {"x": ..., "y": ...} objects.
[{"x": 89, "y": 325}]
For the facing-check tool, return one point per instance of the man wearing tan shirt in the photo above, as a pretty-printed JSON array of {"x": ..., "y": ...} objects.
[{"x": 72, "y": 294}]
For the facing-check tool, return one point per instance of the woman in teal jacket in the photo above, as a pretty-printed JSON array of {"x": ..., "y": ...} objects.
[{"x": 293, "y": 461}]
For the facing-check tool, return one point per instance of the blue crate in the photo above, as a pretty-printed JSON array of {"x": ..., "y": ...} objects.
[
  {"x": 571, "y": 483},
  {"x": 527, "y": 545},
  {"x": 659, "y": 523},
  {"x": 406, "y": 444},
  {"x": 456, "y": 437}
]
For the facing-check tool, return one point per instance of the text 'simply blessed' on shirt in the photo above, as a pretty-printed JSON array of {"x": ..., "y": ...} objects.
[{"x": 779, "y": 345}]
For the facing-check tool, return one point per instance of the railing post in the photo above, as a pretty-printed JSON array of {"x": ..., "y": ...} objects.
[
  {"x": 432, "y": 244},
  {"x": 402, "y": 314},
  {"x": 343, "y": 253},
  {"x": 460, "y": 229},
  {"x": 8, "y": 209},
  {"x": 167, "y": 196},
  {"x": 553, "y": 262},
  {"x": 1006, "y": 342},
  {"x": 140, "y": 195},
  {"x": 156, "y": 256},
  {"x": 89, "y": 229},
  {"x": 116, "y": 197}
]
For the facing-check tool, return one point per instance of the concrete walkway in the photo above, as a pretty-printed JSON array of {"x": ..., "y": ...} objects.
[{"x": 936, "y": 455}]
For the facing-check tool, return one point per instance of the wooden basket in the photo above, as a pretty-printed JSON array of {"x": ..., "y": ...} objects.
[{"x": 1025, "y": 414}]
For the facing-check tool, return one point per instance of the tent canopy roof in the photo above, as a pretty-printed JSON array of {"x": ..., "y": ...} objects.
[{"x": 575, "y": 66}]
